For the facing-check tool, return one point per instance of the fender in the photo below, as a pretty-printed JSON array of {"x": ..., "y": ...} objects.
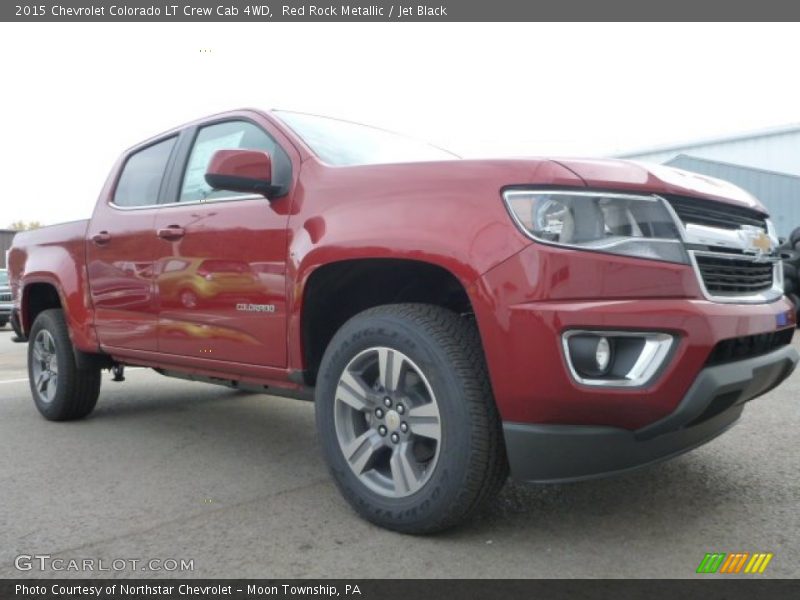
[
  {"x": 324, "y": 257},
  {"x": 61, "y": 266},
  {"x": 446, "y": 214},
  {"x": 79, "y": 316}
]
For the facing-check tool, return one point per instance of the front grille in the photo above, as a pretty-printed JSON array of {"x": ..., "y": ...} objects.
[
  {"x": 734, "y": 276},
  {"x": 715, "y": 214},
  {"x": 748, "y": 346},
  {"x": 5, "y": 297}
]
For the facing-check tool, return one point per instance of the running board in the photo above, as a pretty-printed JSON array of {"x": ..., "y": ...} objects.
[{"x": 306, "y": 393}]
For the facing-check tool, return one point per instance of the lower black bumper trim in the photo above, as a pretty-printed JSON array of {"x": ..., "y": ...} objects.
[{"x": 559, "y": 453}]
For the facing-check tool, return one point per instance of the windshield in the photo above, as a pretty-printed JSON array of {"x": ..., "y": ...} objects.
[
  {"x": 3, "y": 278},
  {"x": 343, "y": 143}
]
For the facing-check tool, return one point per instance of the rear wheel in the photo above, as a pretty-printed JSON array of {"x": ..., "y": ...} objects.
[
  {"x": 407, "y": 419},
  {"x": 61, "y": 391}
]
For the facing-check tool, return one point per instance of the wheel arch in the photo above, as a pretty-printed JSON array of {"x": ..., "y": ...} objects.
[
  {"x": 333, "y": 292},
  {"x": 39, "y": 294},
  {"x": 42, "y": 291}
]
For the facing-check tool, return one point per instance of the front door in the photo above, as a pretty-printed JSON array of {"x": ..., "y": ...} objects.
[
  {"x": 220, "y": 275},
  {"x": 121, "y": 252}
]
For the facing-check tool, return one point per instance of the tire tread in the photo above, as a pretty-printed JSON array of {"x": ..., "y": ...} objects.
[
  {"x": 458, "y": 338},
  {"x": 81, "y": 386}
]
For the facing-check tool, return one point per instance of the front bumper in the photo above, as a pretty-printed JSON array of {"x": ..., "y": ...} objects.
[
  {"x": 5, "y": 311},
  {"x": 714, "y": 402}
]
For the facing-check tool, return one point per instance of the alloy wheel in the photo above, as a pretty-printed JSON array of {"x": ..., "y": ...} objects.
[
  {"x": 387, "y": 422},
  {"x": 45, "y": 366}
]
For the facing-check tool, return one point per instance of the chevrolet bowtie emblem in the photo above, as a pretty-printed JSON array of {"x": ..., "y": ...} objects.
[{"x": 761, "y": 242}]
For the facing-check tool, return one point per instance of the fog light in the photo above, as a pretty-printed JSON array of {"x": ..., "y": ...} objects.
[
  {"x": 616, "y": 358},
  {"x": 590, "y": 354},
  {"x": 602, "y": 354}
]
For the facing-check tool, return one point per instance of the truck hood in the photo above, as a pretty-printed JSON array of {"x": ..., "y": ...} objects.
[
  {"x": 647, "y": 177},
  {"x": 492, "y": 175}
]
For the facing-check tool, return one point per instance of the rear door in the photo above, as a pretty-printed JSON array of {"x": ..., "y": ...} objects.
[
  {"x": 121, "y": 250},
  {"x": 220, "y": 273}
]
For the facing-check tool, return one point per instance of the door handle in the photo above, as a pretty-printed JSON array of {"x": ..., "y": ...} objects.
[
  {"x": 173, "y": 232},
  {"x": 101, "y": 237}
]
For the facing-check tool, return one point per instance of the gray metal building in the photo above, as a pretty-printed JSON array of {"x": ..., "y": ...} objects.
[
  {"x": 6, "y": 235},
  {"x": 765, "y": 163}
]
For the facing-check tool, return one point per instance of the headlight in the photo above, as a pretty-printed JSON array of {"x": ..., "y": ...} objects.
[{"x": 629, "y": 224}]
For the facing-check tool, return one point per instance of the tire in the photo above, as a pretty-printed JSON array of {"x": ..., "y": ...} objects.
[
  {"x": 3, "y": 323},
  {"x": 794, "y": 237},
  {"x": 441, "y": 370},
  {"x": 789, "y": 275},
  {"x": 790, "y": 257},
  {"x": 75, "y": 392}
]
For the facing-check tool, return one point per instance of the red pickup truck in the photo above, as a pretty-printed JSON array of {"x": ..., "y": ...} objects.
[{"x": 451, "y": 319}]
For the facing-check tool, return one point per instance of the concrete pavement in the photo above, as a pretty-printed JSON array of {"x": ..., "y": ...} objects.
[{"x": 168, "y": 469}]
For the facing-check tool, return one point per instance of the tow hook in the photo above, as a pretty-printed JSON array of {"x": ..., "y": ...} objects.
[{"x": 119, "y": 372}]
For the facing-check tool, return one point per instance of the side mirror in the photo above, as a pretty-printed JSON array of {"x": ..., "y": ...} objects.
[{"x": 241, "y": 171}]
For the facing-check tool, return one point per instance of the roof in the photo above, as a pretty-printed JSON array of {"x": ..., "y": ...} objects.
[{"x": 768, "y": 132}]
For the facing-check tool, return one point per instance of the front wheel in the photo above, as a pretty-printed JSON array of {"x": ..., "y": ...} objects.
[
  {"x": 407, "y": 420},
  {"x": 61, "y": 391}
]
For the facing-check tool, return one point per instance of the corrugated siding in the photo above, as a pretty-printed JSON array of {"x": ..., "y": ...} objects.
[
  {"x": 778, "y": 192},
  {"x": 774, "y": 152}
]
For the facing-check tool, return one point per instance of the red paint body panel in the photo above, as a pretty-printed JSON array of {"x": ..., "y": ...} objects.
[
  {"x": 232, "y": 253},
  {"x": 247, "y": 164},
  {"x": 199, "y": 301},
  {"x": 523, "y": 326},
  {"x": 120, "y": 273},
  {"x": 449, "y": 214},
  {"x": 625, "y": 175},
  {"x": 56, "y": 256},
  {"x": 241, "y": 163}
]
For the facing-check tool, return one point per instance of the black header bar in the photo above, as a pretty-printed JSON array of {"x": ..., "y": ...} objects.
[
  {"x": 706, "y": 587},
  {"x": 398, "y": 11}
]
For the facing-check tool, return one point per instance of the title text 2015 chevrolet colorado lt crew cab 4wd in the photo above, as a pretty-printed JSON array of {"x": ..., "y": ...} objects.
[{"x": 451, "y": 319}]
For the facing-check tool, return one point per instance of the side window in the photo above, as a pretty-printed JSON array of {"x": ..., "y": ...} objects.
[
  {"x": 231, "y": 135},
  {"x": 142, "y": 174}
]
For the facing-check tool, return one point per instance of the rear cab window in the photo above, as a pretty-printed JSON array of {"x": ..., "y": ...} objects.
[{"x": 139, "y": 183}]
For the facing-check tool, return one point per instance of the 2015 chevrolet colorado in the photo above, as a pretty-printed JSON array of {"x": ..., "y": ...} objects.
[{"x": 451, "y": 319}]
